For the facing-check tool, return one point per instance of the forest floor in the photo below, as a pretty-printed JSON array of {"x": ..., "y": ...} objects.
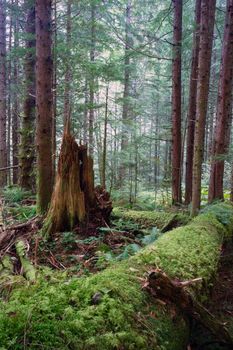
[
  {"x": 78, "y": 255},
  {"x": 220, "y": 304}
]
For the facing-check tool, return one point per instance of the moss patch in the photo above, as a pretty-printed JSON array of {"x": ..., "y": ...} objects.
[
  {"x": 148, "y": 219},
  {"x": 109, "y": 310}
]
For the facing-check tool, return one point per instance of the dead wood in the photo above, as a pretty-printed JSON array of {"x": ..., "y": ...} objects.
[
  {"x": 161, "y": 286},
  {"x": 75, "y": 202}
]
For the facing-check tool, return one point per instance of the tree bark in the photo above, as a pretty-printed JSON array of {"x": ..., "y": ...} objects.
[
  {"x": 15, "y": 105},
  {"x": 3, "y": 143},
  {"x": 126, "y": 93},
  {"x": 204, "y": 63},
  {"x": 44, "y": 100},
  {"x": 92, "y": 81},
  {"x": 27, "y": 152},
  {"x": 67, "y": 101},
  {"x": 224, "y": 109},
  {"x": 9, "y": 89},
  {"x": 176, "y": 103},
  {"x": 105, "y": 139},
  {"x": 192, "y": 105}
]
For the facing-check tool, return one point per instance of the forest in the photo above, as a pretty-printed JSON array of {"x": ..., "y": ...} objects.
[{"x": 116, "y": 174}]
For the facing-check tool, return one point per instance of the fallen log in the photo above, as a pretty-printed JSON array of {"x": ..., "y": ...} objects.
[
  {"x": 161, "y": 286},
  {"x": 28, "y": 269},
  {"x": 110, "y": 310}
]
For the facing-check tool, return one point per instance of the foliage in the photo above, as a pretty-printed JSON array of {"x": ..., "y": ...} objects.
[
  {"x": 15, "y": 194},
  {"x": 109, "y": 310},
  {"x": 22, "y": 212}
]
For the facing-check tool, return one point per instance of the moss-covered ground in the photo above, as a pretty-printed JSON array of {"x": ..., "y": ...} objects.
[{"x": 110, "y": 310}]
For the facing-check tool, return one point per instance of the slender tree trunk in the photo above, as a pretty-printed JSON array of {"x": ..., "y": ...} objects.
[
  {"x": 92, "y": 80},
  {"x": 9, "y": 112},
  {"x": 3, "y": 143},
  {"x": 67, "y": 101},
  {"x": 126, "y": 94},
  {"x": 192, "y": 105},
  {"x": 224, "y": 109},
  {"x": 15, "y": 106},
  {"x": 105, "y": 139},
  {"x": 27, "y": 152},
  {"x": 54, "y": 125},
  {"x": 204, "y": 63},
  {"x": 176, "y": 103},
  {"x": 85, "y": 113},
  {"x": 44, "y": 99}
]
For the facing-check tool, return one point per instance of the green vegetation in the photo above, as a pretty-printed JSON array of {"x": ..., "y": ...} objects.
[
  {"x": 15, "y": 194},
  {"x": 109, "y": 310},
  {"x": 147, "y": 219}
]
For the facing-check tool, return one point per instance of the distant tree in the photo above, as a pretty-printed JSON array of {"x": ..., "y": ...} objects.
[
  {"x": 27, "y": 148},
  {"x": 44, "y": 73},
  {"x": 192, "y": 105},
  {"x": 224, "y": 109},
  {"x": 176, "y": 103},
  {"x": 15, "y": 102},
  {"x": 204, "y": 63},
  {"x": 126, "y": 93},
  {"x": 92, "y": 79},
  {"x": 3, "y": 143}
]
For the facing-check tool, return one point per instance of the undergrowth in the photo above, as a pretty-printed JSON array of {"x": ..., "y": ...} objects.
[{"x": 109, "y": 310}]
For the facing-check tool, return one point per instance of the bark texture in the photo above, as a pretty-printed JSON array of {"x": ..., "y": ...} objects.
[
  {"x": 224, "y": 109},
  {"x": 176, "y": 103},
  {"x": 3, "y": 143},
  {"x": 204, "y": 63},
  {"x": 44, "y": 103},
  {"x": 67, "y": 100},
  {"x": 27, "y": 152},
  {"x": 192, "y": 105},
  {"x": 15, "y": 105},
  {"x": 126, "y": 93},
  {"x": 75, "y": 201}
]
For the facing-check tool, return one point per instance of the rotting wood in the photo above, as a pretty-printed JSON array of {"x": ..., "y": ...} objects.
[
  {"x": 28, "y": 269},
  {"x": 161, "y": 286},
  {"x": 75, "y": 201}
]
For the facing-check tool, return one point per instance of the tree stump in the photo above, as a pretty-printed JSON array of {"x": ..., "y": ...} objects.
[{"x": 75, "y": 202}]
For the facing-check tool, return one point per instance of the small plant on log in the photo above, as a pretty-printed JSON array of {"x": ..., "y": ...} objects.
[{"x": 75, "y": 201}]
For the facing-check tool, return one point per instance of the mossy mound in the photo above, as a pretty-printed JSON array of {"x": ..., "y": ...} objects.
[
  {"x": 110, "y": 310},
  {"x": 147, "y": 219}
]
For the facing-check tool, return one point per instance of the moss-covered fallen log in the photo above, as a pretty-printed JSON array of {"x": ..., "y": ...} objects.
[
  {"x": 112, "y": 310},
  {"x": 146, "y": 219}
]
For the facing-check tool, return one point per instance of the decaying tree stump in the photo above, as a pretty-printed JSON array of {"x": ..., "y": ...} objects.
[
  {"x": 160, "y": 285},
  {"x": 75, "y": 201}
]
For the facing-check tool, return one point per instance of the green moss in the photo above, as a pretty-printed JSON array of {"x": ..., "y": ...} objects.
[
  {"x": 148, "y": 219},
  {"x": 109, "y": 310}
]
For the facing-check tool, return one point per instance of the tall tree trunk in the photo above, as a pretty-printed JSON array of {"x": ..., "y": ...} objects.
[
  {"x": 27, "y": 152},
  {"x": 9, "y": 89},
  {"x": 176, "y": 103},
  {"x": 67, "y": 101},
  {"x": 192, "y": 105},
  {"x": 54, "y": 125},
  {"x": 224, "y": 109},
  {"x": 126, "y": 93},
  {"x": 204, "y": 63},
  {"x": 105, "y": 139},
  {"x": 3, "y": 143},
  {"x": 44, "y": 99},
  {"x": 15, "y": 105},
  {"x": 92, "y": 81}
]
